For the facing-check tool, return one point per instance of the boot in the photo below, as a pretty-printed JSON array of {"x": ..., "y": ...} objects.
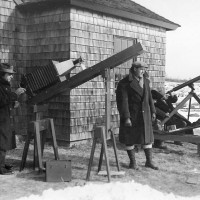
[
  {"x": 148, "y": 154},
  {"x": 131, "y": 155},
  {"x": 159, "y": 144},
  {"x": 178, "y": 143},
  {"x": 8, "y": 166},
  {"x": 2, "y": 158},
  {"x": 3, "y": 170}
]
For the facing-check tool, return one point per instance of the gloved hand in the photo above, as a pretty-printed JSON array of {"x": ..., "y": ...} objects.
[
  {"x": 128, "y": 122},
  {"x": 17, "y": 104},
  {"x": 153, "y": 117},
  {"x": 167, "y": 114},
  {"x": 20, "y": 91}
]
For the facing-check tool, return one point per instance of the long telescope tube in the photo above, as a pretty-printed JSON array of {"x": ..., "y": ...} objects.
[
  {"x": 89, "y": 73},
  {"x": 187, "y": 83}
]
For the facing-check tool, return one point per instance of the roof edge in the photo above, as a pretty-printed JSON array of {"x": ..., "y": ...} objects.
[
  {"x": 104, "y": 9},
  {"x": 125, "y": 14}
]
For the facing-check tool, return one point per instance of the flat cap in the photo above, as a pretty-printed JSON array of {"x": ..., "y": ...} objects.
[
  {"x": 139, "y": 64},
  {"x": 5, "y": 67}
]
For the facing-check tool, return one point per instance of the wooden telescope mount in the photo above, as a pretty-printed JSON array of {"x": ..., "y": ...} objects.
[{"x": 179, "y": 134}]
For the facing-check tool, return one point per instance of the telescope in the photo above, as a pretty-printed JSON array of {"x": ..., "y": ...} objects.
[
  {"x": 187, "y": 83},
  {"x": 57, "y": 87}
]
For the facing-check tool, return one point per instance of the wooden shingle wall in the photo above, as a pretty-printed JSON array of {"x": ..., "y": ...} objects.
[{"x": 92, "y": 36}]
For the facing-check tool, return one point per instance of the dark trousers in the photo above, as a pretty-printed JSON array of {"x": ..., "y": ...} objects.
[{"x": 2, "y": 158}]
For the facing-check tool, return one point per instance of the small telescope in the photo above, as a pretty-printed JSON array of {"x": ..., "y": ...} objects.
[{"x": 187, "y": 83}]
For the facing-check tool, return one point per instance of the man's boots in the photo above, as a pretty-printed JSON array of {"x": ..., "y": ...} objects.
[
  {"x": 131, "y": 155},
  {"x": 178, "y": 143},
  {"x": 3, "y": 170},
  {"x": 159, "y": 144},
  {"x": 149, "y": 163}
]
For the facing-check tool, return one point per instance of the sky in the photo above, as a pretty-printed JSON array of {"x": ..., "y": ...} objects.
[{"x": 183, "y": 44}]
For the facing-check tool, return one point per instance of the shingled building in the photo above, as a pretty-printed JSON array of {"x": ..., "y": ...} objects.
[{"x": 34, "y": 32}]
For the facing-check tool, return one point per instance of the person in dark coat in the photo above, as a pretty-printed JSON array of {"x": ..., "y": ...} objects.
[
  {"x": 8, "y": 99},
  {"x": 164, "y": 106},
  {"x": 137, "y": 111}
]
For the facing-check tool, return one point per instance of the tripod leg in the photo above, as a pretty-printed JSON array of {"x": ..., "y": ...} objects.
[
  {"x": 115, "y": 149},
  {"x": 100, "y": 159},
  {"x": 106, "y": 155},
  {"x": 91, "y": 159}
]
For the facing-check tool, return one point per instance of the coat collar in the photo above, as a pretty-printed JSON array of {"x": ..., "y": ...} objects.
[
  {"x": 134, "y": 84},
  {"x": 4, "y": 82}
]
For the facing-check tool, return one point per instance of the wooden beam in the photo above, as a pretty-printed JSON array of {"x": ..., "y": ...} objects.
[
  {"x": 89, "y": 73},
  {"x": 178, "y": 135},
  {"x": 181, "y": 138},
  {"x": 18, "y": 2}
]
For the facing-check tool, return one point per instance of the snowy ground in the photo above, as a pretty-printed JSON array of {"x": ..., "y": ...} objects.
[{"x": 109, "y": 191}]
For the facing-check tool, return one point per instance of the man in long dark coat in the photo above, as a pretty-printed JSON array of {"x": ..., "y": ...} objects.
[
  {"x": 137, "y": 111},
  {"x": 7, "y": 100}
]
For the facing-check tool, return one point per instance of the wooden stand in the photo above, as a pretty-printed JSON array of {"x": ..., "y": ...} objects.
[
  {"x": 179, "y": 134},
  {"x": 99, "y": 134},
  {"x": 35, "y": 129},
  {"x": 182, "y": 103}
]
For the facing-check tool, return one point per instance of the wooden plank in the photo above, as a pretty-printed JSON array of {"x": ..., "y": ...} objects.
[
  {"x": 180, "y": 105},
  {"x": 112, "y": 173},
  {"x": 43, "y": 125},
  {"x": 178, "y": 131},
  {"x": 89, "y": 73},
  {"x": 18, "y": 2},
  {"x": 182, "y": 138}
]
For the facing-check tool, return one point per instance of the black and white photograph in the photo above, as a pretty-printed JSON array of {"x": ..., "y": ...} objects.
[{"x": 99, "y": 99}]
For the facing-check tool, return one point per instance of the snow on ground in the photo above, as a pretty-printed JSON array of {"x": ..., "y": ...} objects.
[{"x": 108, "y": 191}]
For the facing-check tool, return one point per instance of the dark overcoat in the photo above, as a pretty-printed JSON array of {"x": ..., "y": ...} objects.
[
  {"x": 7, "y": 99},
  {"x": 137, "y": 104}
]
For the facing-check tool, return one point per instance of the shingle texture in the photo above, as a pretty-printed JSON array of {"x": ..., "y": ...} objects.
[{"x": 124, "y": 5}]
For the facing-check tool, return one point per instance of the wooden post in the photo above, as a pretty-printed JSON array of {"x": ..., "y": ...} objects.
[
  {"x": 198, "y": 149},
  {"x": 107, "y": 99},
  {"x": 101, "y": 133}
]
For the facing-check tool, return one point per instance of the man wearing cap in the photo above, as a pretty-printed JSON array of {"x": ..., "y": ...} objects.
[
  {"x": 137, "y": 112},
  {"x": 7, "y": 101}
]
